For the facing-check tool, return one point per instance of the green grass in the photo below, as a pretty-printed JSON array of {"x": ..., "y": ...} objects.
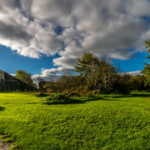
[{"x": 98, "y": 123}]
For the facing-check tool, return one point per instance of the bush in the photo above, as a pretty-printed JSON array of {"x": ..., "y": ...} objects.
[
  {"x": 66, "y": 91},
  {"x": 55, "y": 97},
  {"x": 121, "y": 89},
  {"x": 61, "y": 99},
  {"x": 115, "y": 95},
  {"x": 104, "y": 90}
]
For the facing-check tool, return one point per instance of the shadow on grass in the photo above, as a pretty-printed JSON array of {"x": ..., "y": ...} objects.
[
  {"x": 134, "y": 95},
  {"x": 66, "y": 101},
  {"x": 94, "y": 98},
  {"x": 1, "y": 108},
  {"x": 31, "y": 103},
  {"x": 42, "y": 95},
  {"x": 140, "y": 95},
  {"x": 76, "y": 101}
]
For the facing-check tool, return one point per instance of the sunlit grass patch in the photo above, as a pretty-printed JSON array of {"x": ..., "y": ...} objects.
[{"x": 96, "y": 122}]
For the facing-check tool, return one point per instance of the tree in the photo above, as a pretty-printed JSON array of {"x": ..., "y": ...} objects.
[
  {"x": 69, "y": 82},
  {"x": 87, "y": 66},
  {"x": 39, "y": 83},
  {"x": 146, "y": 69},
  {"x": 121, "y": 83},
  {"x": 107, "y": 72},
  {"x": 138, "y": 82},
  {"x": 24, "y": 76},
  {"x": 99, "y": 73},
  {"x": 37, "y": 79}
]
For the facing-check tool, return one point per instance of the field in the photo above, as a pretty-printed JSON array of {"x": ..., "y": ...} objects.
[{"x": 98, "y": 123}]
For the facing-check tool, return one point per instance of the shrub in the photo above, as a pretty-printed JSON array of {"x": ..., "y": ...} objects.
[
  {"x": 114, "y": 95},
  {"x": 121, "y": 89},
  {"x": 104, "y": 90},
  {"x": 85, "y": 89},
  {"x": 94, "y": 92},
  {"x": 72, "y": 94},
  {"x": 89, "y": 94},
  {"x": 66, "y": 91},
  {"x": 55, "y": 97}
]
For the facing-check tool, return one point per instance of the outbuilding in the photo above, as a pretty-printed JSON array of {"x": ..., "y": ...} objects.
[{"x": 11, "y": 83}]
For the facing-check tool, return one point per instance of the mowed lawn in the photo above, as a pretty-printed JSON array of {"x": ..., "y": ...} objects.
[{"x": 104, "y": 123}]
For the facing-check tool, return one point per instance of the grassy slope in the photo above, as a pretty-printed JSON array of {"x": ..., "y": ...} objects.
[{"x": 111, "y": 123}]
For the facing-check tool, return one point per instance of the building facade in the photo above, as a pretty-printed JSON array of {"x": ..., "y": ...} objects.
[
  {"x": 11, "y": 83},
  {"x": 1, "y": 74}
]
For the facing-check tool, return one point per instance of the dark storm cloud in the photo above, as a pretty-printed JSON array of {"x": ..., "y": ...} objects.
[{"x": 16, "y": 33}]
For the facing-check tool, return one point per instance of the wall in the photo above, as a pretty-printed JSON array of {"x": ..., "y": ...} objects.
[{"x": 1, "y": 75}]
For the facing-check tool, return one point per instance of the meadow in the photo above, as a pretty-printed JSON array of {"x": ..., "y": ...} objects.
[{"x": 101, "y": 122}]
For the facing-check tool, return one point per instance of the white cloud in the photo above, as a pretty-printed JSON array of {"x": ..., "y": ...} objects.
[
  {"x": 48, "y": 74},
  {"x": 134, "y": 73},
  {"x": 13, "y": 74},
  {"x": 69, "y": 28}
]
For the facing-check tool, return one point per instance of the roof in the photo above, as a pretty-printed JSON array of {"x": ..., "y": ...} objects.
[{"x": 16, "y": 78}]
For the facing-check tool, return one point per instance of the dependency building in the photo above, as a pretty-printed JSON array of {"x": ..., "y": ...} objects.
[{"x": 11, "y": 83}]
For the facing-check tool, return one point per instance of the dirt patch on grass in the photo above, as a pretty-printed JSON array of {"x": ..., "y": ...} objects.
[{"x": 4, "y": 145}]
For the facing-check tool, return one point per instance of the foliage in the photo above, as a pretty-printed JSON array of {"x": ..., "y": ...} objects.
[
  {"x": 55, "y": 96},
  {"x": 87, "y": 67},
  {"x": 121, "y": 84},
  {"x": 146, "y": 69},
  {"x": 138, "y": 83},
  {"x": 91, "y": 73},
  {"x": 40, "y": 94},
  {"x": 24, "y": 76},
  {"x": 48, "y": 85},
  {"x": 99, "y": 73},
  {"x": 69, "y": 81},
  {"x": 107, "y": 73},
  {"x": 65, "y": 83},
  {"x": 39, "y": 83}
]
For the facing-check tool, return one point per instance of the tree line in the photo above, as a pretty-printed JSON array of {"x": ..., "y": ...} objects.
[{"x": 101, "y": 75}]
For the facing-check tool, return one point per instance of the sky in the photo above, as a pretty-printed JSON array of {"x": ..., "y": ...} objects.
[{"x": 48, "y": 36}]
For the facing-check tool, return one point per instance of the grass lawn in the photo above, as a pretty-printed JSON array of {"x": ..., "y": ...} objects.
[{"x": 100, "y": 124}]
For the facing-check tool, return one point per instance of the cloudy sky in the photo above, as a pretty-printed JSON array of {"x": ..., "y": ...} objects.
[{"x": 42, "y": 37}]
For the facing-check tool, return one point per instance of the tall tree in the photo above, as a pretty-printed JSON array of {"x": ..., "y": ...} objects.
[
  {"x": 146, "y": 69},
  {"x": 98, "y": 72},
  {"x": 106, "y": 71},
  {"x": 24, "y": 76},
  {"x": 87, "y": 66},
  {"x": 137, "y": 82}
]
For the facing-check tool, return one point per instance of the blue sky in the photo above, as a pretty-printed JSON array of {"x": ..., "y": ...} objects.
[
  {"x": 133, "y": 64},
  {"x": 11, "y": 62},
  {"x": 46, "y": 37}
]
